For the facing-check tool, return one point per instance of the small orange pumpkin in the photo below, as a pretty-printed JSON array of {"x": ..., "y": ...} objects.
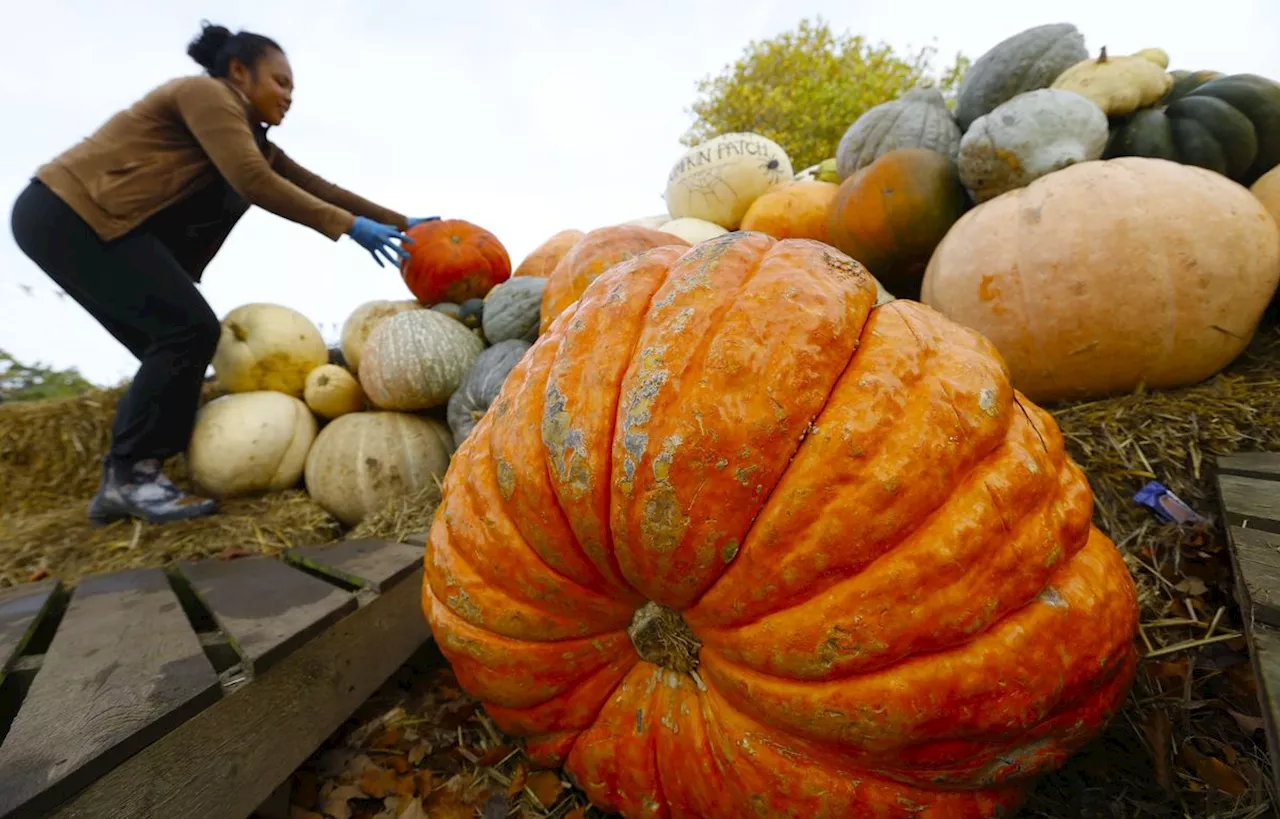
[
  {"x": 794, "y": 211},
  {"x": 453, "y": 260},
  {"x": 595, "y": 253},
  {"x": 547, "y": 255},
  {"x": 891, "y": 215}
]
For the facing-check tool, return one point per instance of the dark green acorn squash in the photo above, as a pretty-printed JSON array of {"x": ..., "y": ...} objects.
[
  {"x": 481, "y": 385},
  {"x": 1227, "y": 124}
]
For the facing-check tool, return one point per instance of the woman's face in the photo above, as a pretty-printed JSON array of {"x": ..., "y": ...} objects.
[{"x": 269, "y": 88}]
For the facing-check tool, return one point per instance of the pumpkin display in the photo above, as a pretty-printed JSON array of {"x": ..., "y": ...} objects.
[
  {"x": 893, "y": 213},
  {"x": 1088, "y": 290},
  {"x": 481, "y": 386},
  {"x": 717, "y": 180},
  {"x": 415, "y": 360},
  {"x": 1119, "y": 85},
  {"x": 267, "y": 347},
  {"x": 717, "y": 558},
  {"x": 249, "y": 443},
  {"x": 453, "y": 260},
  {"x": 364, "y": 460},
  {"x": 692, "y": 230},
  {"x": 358, "y": 326},
  {"x": 1267, "y": 191},
  {"x": 598, "y": 251},
  {"x": 331, "y": 391},
  {"x": 1027, "y": 61},
  {"x": 1029, "y": 136},
  {"x": 917, "y": 119},
  {"x": 1230, "y": 125},
  {"x": 547, "y": 255},
  {"x": 513, "y": 310},
  {"x": 794, "y": 211}
]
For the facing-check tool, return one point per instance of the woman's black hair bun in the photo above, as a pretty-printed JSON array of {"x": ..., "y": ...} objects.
[{"x": 204, "y": 49}]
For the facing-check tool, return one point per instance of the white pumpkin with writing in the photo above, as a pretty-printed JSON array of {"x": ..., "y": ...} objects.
[{"x": 717, "y": 180}]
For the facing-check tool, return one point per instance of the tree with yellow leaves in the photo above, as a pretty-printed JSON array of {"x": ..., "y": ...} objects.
[{"x": 804, "y": 88}]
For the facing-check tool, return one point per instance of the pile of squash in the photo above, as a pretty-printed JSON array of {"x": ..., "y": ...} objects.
[
  {"x": 379, "y": 417},
  {"x": 1109, "y": 224}
]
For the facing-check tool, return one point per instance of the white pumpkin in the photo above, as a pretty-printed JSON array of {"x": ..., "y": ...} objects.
[
  {"x": 364, "y": 460},
  {"x": 332, "y": 391},
  {"x": 249, "y": 443},
  {"x": 415, "y": 360},
  {"x": 267, "y": 347},
  {"x": 693, "y": 230},
  {"x": 651, "y": 222},
  {"x": 358, "y": 326},
  {"x": 718, "y": 180}
]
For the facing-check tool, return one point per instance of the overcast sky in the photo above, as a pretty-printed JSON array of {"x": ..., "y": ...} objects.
[{"x": 526, "y": 116}]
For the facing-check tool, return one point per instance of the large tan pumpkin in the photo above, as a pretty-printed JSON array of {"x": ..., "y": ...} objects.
[
  {"x": 250, "y": 442},
  {"x": 364, "y": 460},
  {"x": 416, "y": 359},
  {"x": 1111, "y": 274},
  {"x": 547, "y": 255},
  {"x": 692, "y": 230},
  {"x": 717, "y": 180},
  {"x": 1267, "y": 190},
  {"x": 358, "y": 326},
  {"x": 267, "y": 347}
]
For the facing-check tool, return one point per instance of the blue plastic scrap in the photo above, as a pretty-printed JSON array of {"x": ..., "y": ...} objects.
[{"x": 1168, "y": 507}]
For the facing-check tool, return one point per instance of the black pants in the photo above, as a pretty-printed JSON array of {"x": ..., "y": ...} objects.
[{"x": 140, "y": 294}]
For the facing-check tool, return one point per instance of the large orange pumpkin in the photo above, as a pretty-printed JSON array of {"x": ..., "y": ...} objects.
[
  {"x": 1110, "y": 275},
  {"x": 891, "y": 214},
  {"x": 732, "y": 543},
  {"x": 453, "y": 260},
  {"x": 547, "y": 255},
  {"x": 796, "y": 210},
  {"x": 598, "y": 251}
]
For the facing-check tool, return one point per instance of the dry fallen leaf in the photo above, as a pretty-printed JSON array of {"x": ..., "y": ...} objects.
[
  {"x": 1159, "y": 729},
  {"x": 412, "y": 809},
  {"x": 1250, "y": 725},
  {"x": 518, "y": 778},
  {"x": 378, "y": 782},
  {"x": 336, "y": 803},
  {"x": 495, "y": 755},
  {"x": 418, "y": 753},
  {"x": 546, "y": 787},
  {"x": 1193, "y": 586},
  {"x": 577, "y": 813},
  {"x": 1213, "y": 771}
]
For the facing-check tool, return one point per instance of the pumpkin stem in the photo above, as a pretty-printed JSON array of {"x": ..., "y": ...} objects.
[
  {"x": 662, "y": 637},
  {"x": 1102, "y": 57},
  {"x": 237, "y": 331}
]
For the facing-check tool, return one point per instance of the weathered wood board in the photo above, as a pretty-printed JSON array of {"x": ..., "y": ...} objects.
[
  {"x": 1249, "y": 495},
  {"x": 265, "y": 607},
  {"x": 126, "y": 716}
]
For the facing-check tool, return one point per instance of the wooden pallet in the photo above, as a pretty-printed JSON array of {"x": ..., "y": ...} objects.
[
  {"x": 194, "y": 692},
  {"x": 1249, "y": 494}
]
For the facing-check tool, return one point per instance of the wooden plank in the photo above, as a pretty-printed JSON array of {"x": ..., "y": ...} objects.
[
  {"x": 124, "y": 668},
  {"x": 1264, "y": 465},
  {"x": 1250, "y": 502},
  {"x": 21, "y": 610},
  {"x": 371, "y": 564},
  {"x": 266, "y": 607},
  {"x": 1255, "y": 556},
  {"x": 1264, "y": 644},
  {"x": 228, "y": 760}
]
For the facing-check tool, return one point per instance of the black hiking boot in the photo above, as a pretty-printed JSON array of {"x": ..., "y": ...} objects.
[{"x": 144, "y": 492}]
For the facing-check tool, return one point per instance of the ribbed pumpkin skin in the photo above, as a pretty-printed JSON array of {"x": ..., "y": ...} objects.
[
  {"x": 1026, "y": 61},
  {"x": 1111, "y": 274},
  {"x": 598, "y": 251},
  {"x": 363, "y": 460},
  {"x": 481, "y": 386},
  {"x": 893, "y": 213},
  {"x": 513, "y": 310},
  {"x": 873, "y": 537},
  {"x": 917, "y": 119},
  {"x": 453, "y": 260},
  {"x": 547, "y": 255},
  {"x": 415, "y": 360}
]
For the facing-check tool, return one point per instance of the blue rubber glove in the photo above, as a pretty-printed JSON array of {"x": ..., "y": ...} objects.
[
  {"x": 413, "y": 222},
  {"x": 377, "y": 239}
]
